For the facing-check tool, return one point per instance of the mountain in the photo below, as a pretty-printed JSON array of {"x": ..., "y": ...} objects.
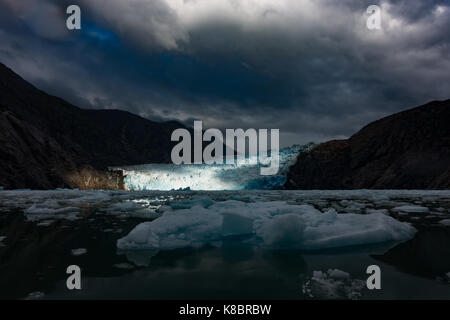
[
  {"x": 46, "y": 142},
  {"x": 407, "y": 150}
]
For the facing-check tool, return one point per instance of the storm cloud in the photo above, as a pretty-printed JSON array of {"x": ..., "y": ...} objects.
[{"x": 310, "y": 68}]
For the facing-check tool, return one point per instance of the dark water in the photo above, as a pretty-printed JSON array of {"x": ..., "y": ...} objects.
[
  {"x": 35, "y": 259},
  {"x": 34, "y": 255}
]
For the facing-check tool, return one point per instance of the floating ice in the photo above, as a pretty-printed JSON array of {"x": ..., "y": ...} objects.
[
  {"x": 271, "y": 224},
  {"x": 242, "y": 176},
  {"x": 383, "y": 211},
  {"x": 79, "y": 251},
  {"x": 44, "y": 206},
  {"x": 45, "y": 223},
  {"x": 445, "y": 222},
  {"x": 411, "y": 209},
  {"x": 35, "y": 295},
  {"x": 40, "y": 212},
  {"x": 338, "y": 274},
  {"x": 134, "y": 208}
]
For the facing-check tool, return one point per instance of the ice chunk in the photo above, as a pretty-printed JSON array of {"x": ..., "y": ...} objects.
[
  {"x": 39, "y": 212},
  {"x": 236, "y": 224},
  {"x": 133, "y": 208},
  {"x": 123, "y": 265},
  {"x": 411, "y": 209},
  {"x": 35, "y": 295},
  {"x": 353, "y": 229},
  {"x": 187, "y": 204},
  {"x": 175, "y": 229},
  {"x": 383, "y": 211},
  {"x": 338, "y": 274},
  {"x": 45, "y": 223},
  {"x": 79, "y": 251},
  {"x": 445, "y": 222},
  {"x": 272, "y": 224},
  {"x": 140, "y": 258},
  {"x": 283, "y": 230},
  {"x": 141, "y": 237}
]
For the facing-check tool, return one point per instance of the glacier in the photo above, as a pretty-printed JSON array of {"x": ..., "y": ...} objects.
[{"x": 244, "y": 175}]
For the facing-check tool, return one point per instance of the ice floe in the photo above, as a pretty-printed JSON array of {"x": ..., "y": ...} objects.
[
  {"x": 268, "y": 224},
  {"x": 35, "y": 295},
  {"x": 40, "y": 212},
  {"x": 45, "y": 206},
  {"x": 411, "y": 209},
  {"x": 79, "y": 251}
]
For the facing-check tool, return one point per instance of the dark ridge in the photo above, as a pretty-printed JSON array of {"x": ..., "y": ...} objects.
[
  {"x": 407, "y": 150},
  {"x": 46, "y": 142}
]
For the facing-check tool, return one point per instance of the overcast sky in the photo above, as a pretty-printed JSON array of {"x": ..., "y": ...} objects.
[{"x": 310, "y": 68}]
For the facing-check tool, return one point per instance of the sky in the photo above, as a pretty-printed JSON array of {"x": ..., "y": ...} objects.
[{"x": 309, "y": 68}]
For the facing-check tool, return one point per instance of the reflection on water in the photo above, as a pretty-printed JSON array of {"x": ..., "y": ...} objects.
[
  {"x": 37, "y": 262},
  {"x": 427, "y": 254}
]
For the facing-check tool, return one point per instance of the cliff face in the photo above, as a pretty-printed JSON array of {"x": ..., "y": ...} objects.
[
  {"x": 407, "y": 150},
  {"x": 46, "y": 142}
]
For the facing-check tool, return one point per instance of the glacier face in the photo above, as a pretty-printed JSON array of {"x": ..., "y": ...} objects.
[{"x": 241, "y": 176}]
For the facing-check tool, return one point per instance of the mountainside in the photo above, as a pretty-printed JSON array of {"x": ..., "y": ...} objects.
[
  {"x": 46, "y": 142},
  {"x": 407, "y": 150}
]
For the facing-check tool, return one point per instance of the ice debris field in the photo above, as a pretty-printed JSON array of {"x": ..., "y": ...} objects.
[{"x": 304, "y": 220}]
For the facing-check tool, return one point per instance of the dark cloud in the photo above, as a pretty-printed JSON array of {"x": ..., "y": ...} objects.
[{"x": 310, "y": 68}]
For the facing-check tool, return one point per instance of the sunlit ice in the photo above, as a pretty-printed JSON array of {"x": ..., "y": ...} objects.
[{"x": 242, "y": 175}]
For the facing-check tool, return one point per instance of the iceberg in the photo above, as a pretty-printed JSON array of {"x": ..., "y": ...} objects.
[{"x": 274, "y": 224}]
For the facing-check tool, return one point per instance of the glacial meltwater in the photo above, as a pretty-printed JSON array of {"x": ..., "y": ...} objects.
[{"x": 224, "y": 244}]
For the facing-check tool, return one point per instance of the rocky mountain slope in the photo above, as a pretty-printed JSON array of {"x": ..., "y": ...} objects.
[
  {"x": 407, "y": 150},
  {"x": 45, "y": 142}
]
